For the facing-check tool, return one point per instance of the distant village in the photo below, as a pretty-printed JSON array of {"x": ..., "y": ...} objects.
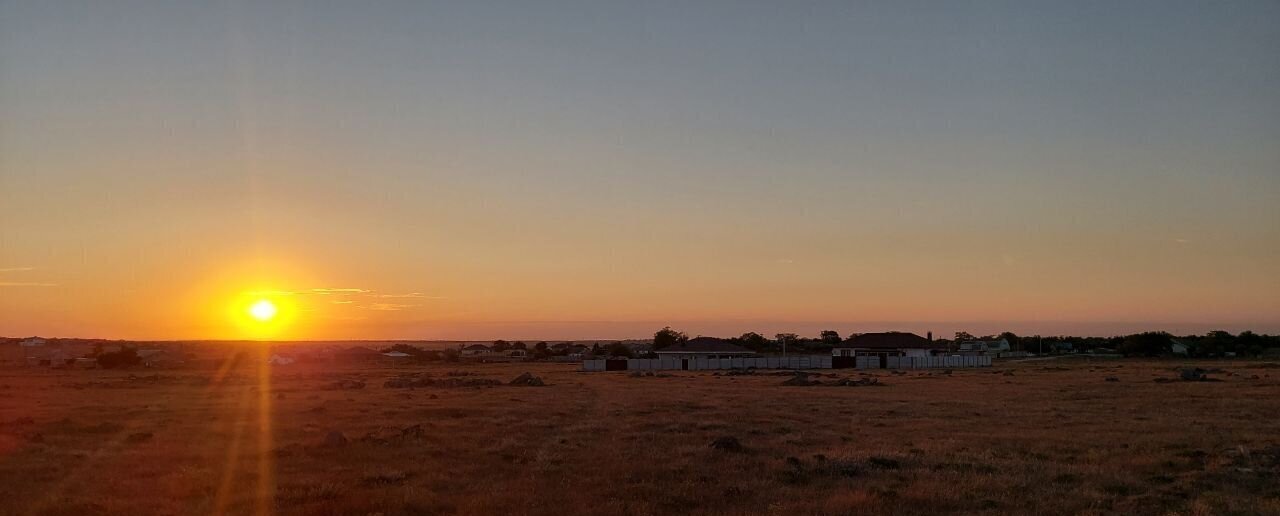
[{"x": 872, "y": 349}]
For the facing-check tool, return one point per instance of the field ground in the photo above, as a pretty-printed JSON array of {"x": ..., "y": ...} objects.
[{"x": 1047, "y": 437}]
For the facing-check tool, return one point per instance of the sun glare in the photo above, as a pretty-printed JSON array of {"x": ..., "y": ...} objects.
[{"x": 263, "y": 310}]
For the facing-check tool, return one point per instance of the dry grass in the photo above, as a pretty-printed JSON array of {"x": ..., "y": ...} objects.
[{"x": 1049, "y": 438}]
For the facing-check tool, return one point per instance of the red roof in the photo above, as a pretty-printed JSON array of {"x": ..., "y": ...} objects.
[{"x": 891, "y": 340}]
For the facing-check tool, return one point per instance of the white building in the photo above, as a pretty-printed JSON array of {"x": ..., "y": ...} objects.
[
  {"x": 476, "y": 350},
  {"x": 33, "y": 342},
  {"x": 985, "y": 347}
]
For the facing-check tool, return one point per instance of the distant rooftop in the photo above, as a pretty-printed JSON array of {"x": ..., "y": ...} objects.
[{"x": 890, "y": 340}]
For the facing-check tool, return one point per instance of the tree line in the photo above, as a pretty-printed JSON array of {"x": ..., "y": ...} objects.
[{"x": 1213, "y": 344}]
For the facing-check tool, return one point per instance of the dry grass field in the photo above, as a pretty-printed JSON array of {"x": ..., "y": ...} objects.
[{"x": 1041, "y": 437}]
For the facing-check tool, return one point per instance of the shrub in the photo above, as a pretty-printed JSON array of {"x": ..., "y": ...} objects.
[{"x": 127, "y": 357}]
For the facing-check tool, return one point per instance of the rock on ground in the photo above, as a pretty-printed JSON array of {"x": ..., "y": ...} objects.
[
  {"x": 335, "y": 438},
  {"x": 802, "y": 380},
  {"x": 727, "y": 443},
  {"x": 527, "y": 380}
]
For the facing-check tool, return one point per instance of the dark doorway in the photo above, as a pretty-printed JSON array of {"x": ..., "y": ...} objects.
[
  {"x": 684, "y": 364},
  {"x": 615, "y": 365}
]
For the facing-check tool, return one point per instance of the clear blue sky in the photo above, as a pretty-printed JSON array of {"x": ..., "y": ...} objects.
[{"x": 727, "y": 166}]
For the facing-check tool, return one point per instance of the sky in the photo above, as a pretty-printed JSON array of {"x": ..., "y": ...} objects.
[{"x": 598, "y": 169}]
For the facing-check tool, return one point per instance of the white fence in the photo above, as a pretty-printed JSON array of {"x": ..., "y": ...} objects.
[
  {"x": 792, "y": 362},
  {"x": 704, "y": 364},
  {"x": 928, "y": 362}
]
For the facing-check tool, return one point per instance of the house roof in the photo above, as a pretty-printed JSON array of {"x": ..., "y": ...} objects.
[
  {"x": 705, "y": 345},
  {"x": 477, "y": 347},
  {"x": 890, "y": 340}
]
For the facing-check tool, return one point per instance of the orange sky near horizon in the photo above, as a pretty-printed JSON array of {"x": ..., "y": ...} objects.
[{"x": 465, "y": 172}]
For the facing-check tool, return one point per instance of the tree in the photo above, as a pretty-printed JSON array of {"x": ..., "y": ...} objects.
[
  {"x": 786, "y": 339},
  {"x": 1150, "y": 344},
  {"x": 451, "y": 355},
  {"x": 963, "y": 336},
  {"x": 519, "y": 345},
  {"x": 501, "y": 345},
  {"x": 540, "y": 350},
  {"x": 1249, "y": 342},
  {"x": 753, "y": 341},
  {"x": 668, "y": 337},
  {"x": 618, "y": 349},
  {"x": 1014, "y": 341},
  {"x": 831, "y": 337}
]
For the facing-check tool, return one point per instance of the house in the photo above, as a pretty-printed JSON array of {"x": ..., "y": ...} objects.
[
  {"x": 886, "y": 344},
  {"x": 1179, "y": 346},
  {"x": 33, "y": 342},
  {"x": 704, "y": 347},
  {"x": 476, "y": 350},
  {"x": 396, "y": 354},
  {"x": 985, "y": 347},
  {"x": 280, "y": 360},
  {"x": 57, "y": 359},
  {"x": 516, "y": 353}
]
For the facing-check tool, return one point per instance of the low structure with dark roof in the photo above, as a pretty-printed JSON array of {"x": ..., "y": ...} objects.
[
  {"x": 704, "y": 347},
  {"x": 893, "y": 343}
]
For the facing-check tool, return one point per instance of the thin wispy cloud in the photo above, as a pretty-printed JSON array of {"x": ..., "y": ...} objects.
[
  {"x": 17, "y": 269},
  {"x": 387, "y": 307},
  {"x": 327, "y": 291},
  {"x": 315, "y": 291},
  {"x": 411, "y": 295},
  {"x": 344, "y": 296},
  {"x": 26, "y": 284}
]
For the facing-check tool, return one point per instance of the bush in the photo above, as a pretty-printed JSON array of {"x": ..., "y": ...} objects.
[{"x": 127, "y": 357}]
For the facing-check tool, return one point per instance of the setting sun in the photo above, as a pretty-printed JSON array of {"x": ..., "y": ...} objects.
[
  {"x": 263, "y": 310},
  {"x": 256, "y": 314}
]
